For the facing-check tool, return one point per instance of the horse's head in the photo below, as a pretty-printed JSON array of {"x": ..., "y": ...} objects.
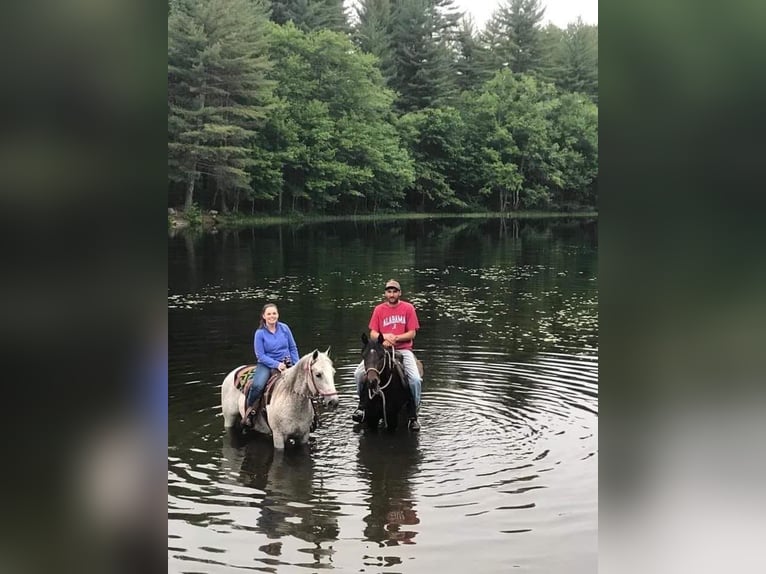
[
  {"x": 374, "y": 357},
  {"x": 323, "y": 377}
]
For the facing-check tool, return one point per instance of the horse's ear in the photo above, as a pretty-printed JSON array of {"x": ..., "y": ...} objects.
[
  {"x": 327, "y": 352},
  {"x": 315, "y": 355},
  {"x": 365, "y": 339},
  {"x": 380, "y": 338}
]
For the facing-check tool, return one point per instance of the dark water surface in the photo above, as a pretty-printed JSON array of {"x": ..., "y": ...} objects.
[{"x": 503, "y": 476}]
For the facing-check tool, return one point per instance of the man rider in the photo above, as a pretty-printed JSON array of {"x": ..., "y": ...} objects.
[{"x": 398, "y": 322}]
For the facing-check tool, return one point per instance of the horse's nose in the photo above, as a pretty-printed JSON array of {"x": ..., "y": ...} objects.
[{"x": 332, "y": 401}]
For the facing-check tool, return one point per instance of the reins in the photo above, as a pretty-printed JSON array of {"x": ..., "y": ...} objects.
[{"x": 388, "y": 361}]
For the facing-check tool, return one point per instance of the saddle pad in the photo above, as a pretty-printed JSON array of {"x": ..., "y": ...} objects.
[{"x": 243, "y": 376}]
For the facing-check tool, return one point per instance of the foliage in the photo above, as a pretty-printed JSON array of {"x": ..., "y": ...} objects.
[
  {"x": 339, "y": 145},
  {"x": 217, "y": 91},
  {"x": 531, "y": 146},
  {"x": 575, "y": 59},
  {"x": 309, "y": 15},
  {"x": 435, "y": 137},
  {"x": 193, "y": 215},
  {"x": 408, "y": 107}
]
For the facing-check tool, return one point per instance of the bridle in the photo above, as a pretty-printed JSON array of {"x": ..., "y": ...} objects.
[
  {"x": 388, "y": 362},
  {"x": 315, "y": 393}
]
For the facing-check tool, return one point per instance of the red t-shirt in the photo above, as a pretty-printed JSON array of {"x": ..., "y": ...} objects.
[{"x": 397, "y": 320}]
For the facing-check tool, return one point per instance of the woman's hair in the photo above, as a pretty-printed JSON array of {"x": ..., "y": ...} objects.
[{"x": 266, "y": 306}]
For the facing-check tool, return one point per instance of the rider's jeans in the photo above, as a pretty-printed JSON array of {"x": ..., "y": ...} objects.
[{"x": 260, "y": 378}]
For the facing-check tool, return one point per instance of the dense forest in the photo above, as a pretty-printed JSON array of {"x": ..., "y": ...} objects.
[{"x": 306, "y": 106}]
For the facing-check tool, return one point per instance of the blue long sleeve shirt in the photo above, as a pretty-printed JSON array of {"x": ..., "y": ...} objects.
[{"x": 271, "y": 348}]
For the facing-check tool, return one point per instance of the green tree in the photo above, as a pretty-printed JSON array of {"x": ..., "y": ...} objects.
[
  {"x": 339, "y": 146},
  {"x": 434, "y": 137},
  {"x": 523, "y": 20},
  {"x": 474, "y": 62},
  {"x": 576, "y": 59},
  {"x": 372, "y": 30},
  {"x": 311, "y": 15},
  {"x": 217, "y": 92},
  {"x": 523, "y": 142},
  {"x": 513, "y": 33},
  {"x": 421, "y": 66},
  {"x": 574, "y": 134}
]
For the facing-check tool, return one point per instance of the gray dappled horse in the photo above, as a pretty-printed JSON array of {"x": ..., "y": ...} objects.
[{"x": 290, "y": 410}]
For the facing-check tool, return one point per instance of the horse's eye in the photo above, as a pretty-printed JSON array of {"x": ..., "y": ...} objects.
[{"x": 319, "y": 375}]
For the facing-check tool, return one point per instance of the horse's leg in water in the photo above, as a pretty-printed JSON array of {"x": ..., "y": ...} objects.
[
  {"x": 279, "y": 439},
  {"x": 392, "y": 416},
  {"x": 372, "y": 416}
]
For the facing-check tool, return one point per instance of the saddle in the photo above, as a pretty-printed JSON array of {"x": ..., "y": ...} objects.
[
  {"x": 399, "y": 366},
  {"x": 243, "y": 380}
]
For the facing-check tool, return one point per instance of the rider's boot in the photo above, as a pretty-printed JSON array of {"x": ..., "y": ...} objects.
[
  {"x": 358, "y": 414},
  {"x": 250, "y": 417},
  {"x": 412, "y": 415}
]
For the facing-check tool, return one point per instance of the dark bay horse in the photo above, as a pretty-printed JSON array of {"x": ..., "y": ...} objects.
[{"x": 385, "y": 390}]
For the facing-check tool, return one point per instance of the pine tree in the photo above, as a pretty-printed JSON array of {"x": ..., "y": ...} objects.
[
  {"x": 217, "y": 92},
  {"x": 513, "y": 34},
  {"x": 498, "y": 43},
  {"x": 523, "y": 19},
  {"x": 372, "y": 32},
  {"x": 474, "y": 60},
  {"x": 578, "y": 60},
  {"x": 309, "y": 15},
  {"x": 421, "y": 68}
]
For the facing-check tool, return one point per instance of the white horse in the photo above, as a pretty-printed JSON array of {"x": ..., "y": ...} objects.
[{"x": 290, "y": 411}]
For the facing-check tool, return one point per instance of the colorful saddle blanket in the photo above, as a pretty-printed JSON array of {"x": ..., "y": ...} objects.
[
  {"x": 243, "y": 380},
  {"x": 244, "y": 376}
]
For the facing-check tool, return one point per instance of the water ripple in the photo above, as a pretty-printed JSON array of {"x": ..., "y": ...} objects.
[{"x": 497, "y": 436}]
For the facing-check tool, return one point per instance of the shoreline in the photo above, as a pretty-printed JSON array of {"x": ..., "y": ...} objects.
[{"x": 213, "y": 221}]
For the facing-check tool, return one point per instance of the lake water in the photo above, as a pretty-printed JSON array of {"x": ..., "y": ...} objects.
[{"x": 503, "y": 475}]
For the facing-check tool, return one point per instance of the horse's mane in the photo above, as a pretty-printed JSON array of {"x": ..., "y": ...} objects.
[{"x": 290, "y": 377}]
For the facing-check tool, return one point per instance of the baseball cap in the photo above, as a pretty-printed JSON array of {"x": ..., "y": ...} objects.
[{"x": 393, "y": 283}]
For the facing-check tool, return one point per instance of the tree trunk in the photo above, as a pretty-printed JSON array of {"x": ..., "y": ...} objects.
[
  {"x": 224, "y": 206},
  {"x": 189, "y": 201},
  {"x": 517, "y": 188},
  {"x": 503, "y": 194}
]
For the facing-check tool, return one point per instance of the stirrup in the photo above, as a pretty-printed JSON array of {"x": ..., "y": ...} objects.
[{"x": 413, "y": 424}]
